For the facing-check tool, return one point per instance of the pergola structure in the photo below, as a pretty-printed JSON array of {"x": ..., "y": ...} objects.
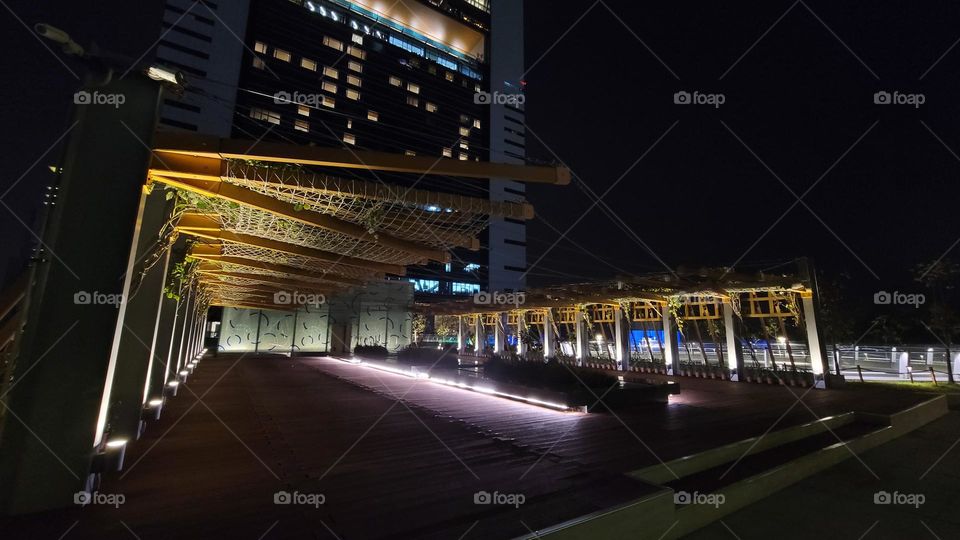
[
  {"x": 260, "y": 219},
  {"x": 662, "y": 302},
  {"x": 241, "y": 222}
]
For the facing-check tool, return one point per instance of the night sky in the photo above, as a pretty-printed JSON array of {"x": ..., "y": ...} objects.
[{"x": 714, "y": 184}]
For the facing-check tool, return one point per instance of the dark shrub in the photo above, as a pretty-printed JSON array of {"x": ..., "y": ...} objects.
[{"x": 372, "y": 351}]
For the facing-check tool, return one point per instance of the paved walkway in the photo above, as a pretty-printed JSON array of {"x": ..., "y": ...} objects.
[{"x": 245, "y": 428}]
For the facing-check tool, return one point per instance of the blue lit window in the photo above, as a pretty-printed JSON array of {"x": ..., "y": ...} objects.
[
  {"x": 471, "y": 267},
  {"x": 469, "y": 72},
  {"x": 405, "y": 45},
  {"x": 464, "y": 288},
  {"x": 446, "y": 63},
  {"x": 426, "y": 285}
]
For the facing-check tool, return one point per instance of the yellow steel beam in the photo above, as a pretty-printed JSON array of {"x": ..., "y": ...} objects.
[
  {"x": 249, "y": 305},
  {"x": 273, "y": 267},
  {"x": 252, "y": 199},
  {"x": 167, "y": 143},
  {"x": 421, "y": 198},
  {"x": 201, "y": 225},
  {"x": 277, "y": 284}
]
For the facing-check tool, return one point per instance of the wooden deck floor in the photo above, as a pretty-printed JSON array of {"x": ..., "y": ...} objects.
[{"x": 400, "y": 458}]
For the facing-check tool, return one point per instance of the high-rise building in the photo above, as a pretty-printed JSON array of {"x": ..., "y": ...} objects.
[{"x": 429, "y": 78}]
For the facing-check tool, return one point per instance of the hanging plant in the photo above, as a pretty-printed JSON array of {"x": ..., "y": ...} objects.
[{"x": 675, "y": 305}]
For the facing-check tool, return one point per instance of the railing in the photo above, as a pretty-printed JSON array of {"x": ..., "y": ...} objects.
[{"x": 919, "y": 363}]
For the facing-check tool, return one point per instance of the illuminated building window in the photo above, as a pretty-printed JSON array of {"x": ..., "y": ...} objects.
[
  {"x": 330, "y": 72},
  {"x": 262, "y": 114},
  {"x": 409, "y": 153},
  {"x": 476, "y": 123},
  {"x": 463, "y": 157},
  {"x": 329, "y": 87},
  {"x": 415, "y": 88},
  {"x": 353, "y": 79},
  {"x": 412, "y": 100},
  {"x": 373, "y": 116},
  {"x": 447, "y": 152},
  {"x": 464, "y": 131},
  {"x": 281, "y": 54},
  {"x": 353, "y": 94},
  {"x": 333, "y": 43},
  {"x": 260, "y": 47},
  {"x": 449, "y": 76},
  {"x": 349, "y": 138},
  {"x": 303, "y": 109},
  {"x": 464, "y": 145},
  {"x": 258, "y": 62},
  {"x": 358, "y": 39},
  {"x": 301, "y": 125},
  {"x": 357, "y": 53},
  {"x": 464, "y": 288},
  {"x": 353, "y": 65},
  {"x": 306, "y": 63},
  {"x": 394, "y": 81},
  {"x": 431, "y": 107},
  {"x": 483, "y": 5},
  {"x": 328, "y": 102},
  {"x": 426, "y": 285},
  {"x": 471, "y": 267}
]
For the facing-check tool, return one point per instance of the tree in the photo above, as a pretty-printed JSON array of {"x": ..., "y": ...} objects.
[{"x": 939, "y": 279}]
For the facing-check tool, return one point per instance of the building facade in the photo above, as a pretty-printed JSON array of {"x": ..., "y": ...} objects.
[{"x": 430, "y": 78}]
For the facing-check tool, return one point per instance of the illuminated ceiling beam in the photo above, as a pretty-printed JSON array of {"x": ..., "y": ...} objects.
[
  {"x": 379, "y": 191},
  {"x": 213, "y": 280},
  {"x": 216, "y": 170},
  {"x": 267, "y": 279},
  {"x": 259, "y": 201},
  {"x": 208, "y": 227},
  {"x": 212, "y": 147},
  {"x": 273, "y": 267},
  {"x": 249, "y": 305}
]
